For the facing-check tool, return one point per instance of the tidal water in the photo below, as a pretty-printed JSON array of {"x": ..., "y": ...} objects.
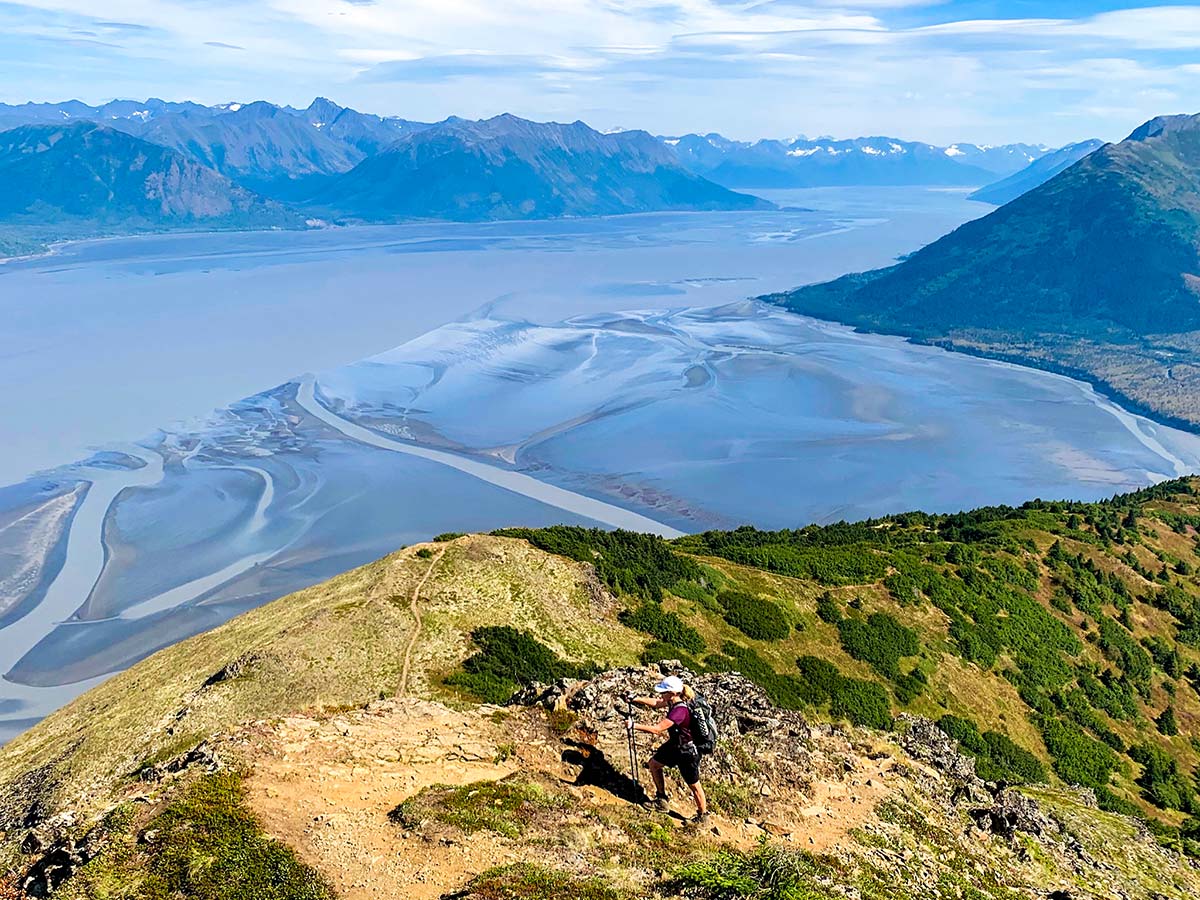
[{"x": 459, "y": 378}]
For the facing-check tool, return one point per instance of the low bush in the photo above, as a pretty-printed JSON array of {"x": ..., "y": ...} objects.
[
  {"x": 504, "y": 807},
  {"x": 828, "y": 609},
  {"x": 528, "y": 881},
  {"x": 767, "y": 873},
  {"x": 667, "y": 627},
  {"x": 861, "y": 702},
  {"x": 208, "y": 846},
  {"x": 754, "y": 617},
  {"x": 1078, "y": 759},
  {"x": 881, "y": 641},
  {"x": 629, "y": 563},
  {"x": 696, "y": 593},
  {"x": 1161, "y": 781},
  {"x": 997, "y": 757},
  {"x": 507, "y": 660}
]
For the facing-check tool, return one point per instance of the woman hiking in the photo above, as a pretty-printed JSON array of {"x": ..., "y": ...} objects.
[{"x": 679, "y": 751}]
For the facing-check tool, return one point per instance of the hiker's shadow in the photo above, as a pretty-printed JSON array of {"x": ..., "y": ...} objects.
[{"x": 596, "y": 770}]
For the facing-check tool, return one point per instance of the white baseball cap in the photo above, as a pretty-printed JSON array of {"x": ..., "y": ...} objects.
[{"x": 672, "y": 684}]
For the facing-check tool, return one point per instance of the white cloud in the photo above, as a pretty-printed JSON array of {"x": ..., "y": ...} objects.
[{"x": 746, "y": 67}]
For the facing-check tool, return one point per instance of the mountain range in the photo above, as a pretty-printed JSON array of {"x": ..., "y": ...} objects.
[
  {"x": 509, "y": 168},
  {"x": 861, "y": 161},
  {"x": 1095, "y": 272},
  {"x": 257, "y": 164}
]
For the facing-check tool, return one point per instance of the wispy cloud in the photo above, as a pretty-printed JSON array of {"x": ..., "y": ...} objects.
[{"x": 1053, "y": 71}]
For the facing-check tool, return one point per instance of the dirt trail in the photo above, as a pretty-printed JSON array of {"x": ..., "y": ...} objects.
[
  {"x": 415, "y": 608},
  {"x": 326, "y": 788}
]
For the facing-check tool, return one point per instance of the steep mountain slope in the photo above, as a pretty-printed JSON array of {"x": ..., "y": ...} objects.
[
  {"x": 1037, "y": 172},
  {"x": 86, "y": 174},
  {"x": 1064, "y": 634},
  {"x": 1094, "y": 272},
  {"x": 366, "y": 133},
  {"x": 256, "y": 144},
  {"x": 510, "y": 168},
  {"x": 827, "y": 162}
]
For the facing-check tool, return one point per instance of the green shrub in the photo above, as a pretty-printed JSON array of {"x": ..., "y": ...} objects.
[
  {"x": 1078, "y": 759},
  {"x": 656, "y": 651},
  {"x": 769, "y": 873},
  {"x": 425, "y": 553},
  {"x": 629, "y": 563},
  {"x": 446, "y": 536},
  {"x": 756, "y": 618},
  {"x": 1166, "y": 722},
  {"x": 1162, "y": 783},
  {"x": 509, "y": 659},
  {"x": 503, "y": 807},
  {"x": 528, "y": 881},
  {"x": 910, "y": 686},
  {"x": 785, "y": 691},
  {"x": 696, "y": 593},
  {"x": 880, "y": 641},
  {"x": 828, "y": 609},
  {"x": 665, "y": 626},
  {"x": 861, "y": 702},
  {"x": 997, "y": 757}
]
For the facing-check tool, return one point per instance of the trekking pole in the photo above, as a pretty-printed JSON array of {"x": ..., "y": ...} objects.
[{"x": 631, "y": 737}]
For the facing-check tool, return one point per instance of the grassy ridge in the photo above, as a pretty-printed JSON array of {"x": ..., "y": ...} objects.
[{"x": 1058, "y": 637}]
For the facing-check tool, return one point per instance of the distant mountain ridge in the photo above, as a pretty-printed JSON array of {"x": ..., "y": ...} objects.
[
  {"x": 1037, "y": 172},
  {"x": 260, "y": 145},
  {"x": 860, "y": 161},
  {"x": 85, "y": 173},
  {"x": 1095, "y": 272},
  {"x": 261, "y": 165},
  {"x": 508, "y": 167}
]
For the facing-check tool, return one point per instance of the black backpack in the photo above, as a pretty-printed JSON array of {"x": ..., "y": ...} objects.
[{"x": 704, "y": 726}]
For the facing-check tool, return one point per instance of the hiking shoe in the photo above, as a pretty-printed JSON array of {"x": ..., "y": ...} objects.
[
  {"x": 658, "y": 804},
  {"x": 699, "y": 820}
]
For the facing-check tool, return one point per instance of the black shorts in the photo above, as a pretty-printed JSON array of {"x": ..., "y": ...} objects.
[{"x": 687, "y": 762}]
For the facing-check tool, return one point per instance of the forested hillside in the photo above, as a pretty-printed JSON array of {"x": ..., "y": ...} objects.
[{"x": 1057, "y": 638}]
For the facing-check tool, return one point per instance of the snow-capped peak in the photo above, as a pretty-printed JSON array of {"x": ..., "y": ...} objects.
[{"x": 953, "y": 150}]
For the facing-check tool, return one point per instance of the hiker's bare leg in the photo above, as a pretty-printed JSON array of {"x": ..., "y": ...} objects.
[
  {"x": 656, "y": 775},
  {"x": 698, "y": 796}
]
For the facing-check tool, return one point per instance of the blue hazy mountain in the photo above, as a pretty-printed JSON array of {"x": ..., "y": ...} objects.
[
  {"x": 511, "y": 168},
  {"x": 1037, "y": 172},
  {"x": 268, "y": 148},
  {"x": 82, "y": 173},
  {"x": 826, "y": 162}
]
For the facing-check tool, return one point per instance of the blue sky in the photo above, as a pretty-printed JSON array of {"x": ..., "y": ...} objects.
[{"x": 1048, "y": 71}]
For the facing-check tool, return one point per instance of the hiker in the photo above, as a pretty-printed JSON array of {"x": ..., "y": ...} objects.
[{"x": 679, "y": 750}]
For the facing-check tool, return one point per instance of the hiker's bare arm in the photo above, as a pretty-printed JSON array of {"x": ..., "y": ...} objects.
[
  {"x": 648, "y": 702},
  {"x": 659, "y": 727}
]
